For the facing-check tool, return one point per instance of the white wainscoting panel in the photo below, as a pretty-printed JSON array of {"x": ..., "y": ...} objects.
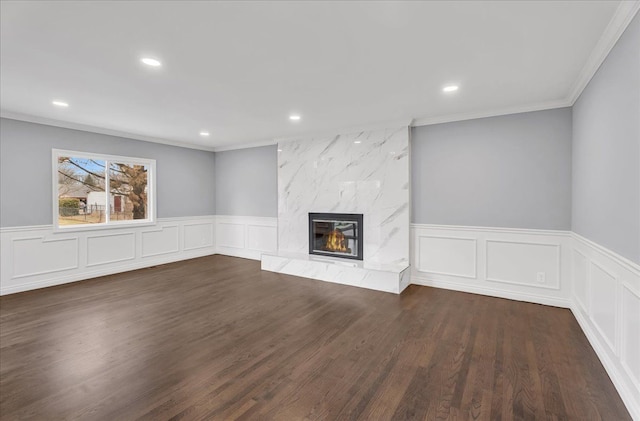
[
  {"x": 162, "y": 241},
  {"x": 519, "y": 264},
  {"x": 631, "y": 332},
  {"x": 523, "y": 263},
  {"x": 231, "y": 235},
  {"x": 603, "y": 300},
  {"x": 37, "y": 257},
  {"x": 199, "y": 235},
  {"x": 54, "y": 255},
  {"x": 110, "y": 248},
  {"x": 261, "y": 238},
  {"x": 580, "y": 272},
  {"x": 447, "y": 256},
  {"x": 246, "y": 236},
  {"x": 610, "y": 285}
]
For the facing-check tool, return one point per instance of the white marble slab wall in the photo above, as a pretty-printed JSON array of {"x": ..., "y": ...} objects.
[{"x": 365, "y": 172}]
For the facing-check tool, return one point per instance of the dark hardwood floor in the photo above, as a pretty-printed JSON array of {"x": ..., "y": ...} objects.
[{"x": 215, "y": 338}]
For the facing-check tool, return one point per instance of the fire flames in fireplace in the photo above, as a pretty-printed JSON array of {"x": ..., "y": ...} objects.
[
  {"x": 336, "y": 242},
  {"x": 336, "y": 235}
]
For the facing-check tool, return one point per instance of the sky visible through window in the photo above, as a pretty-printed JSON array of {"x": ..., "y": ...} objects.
[{"x": 82, "y": 193}]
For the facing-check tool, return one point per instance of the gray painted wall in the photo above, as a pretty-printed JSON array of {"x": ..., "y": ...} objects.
[
  {"x": 184, "y": 175},
  {"x": 508, "y": 171},
  {"x": 246, "y": 182},
  {"x": 606, "y": 151}
]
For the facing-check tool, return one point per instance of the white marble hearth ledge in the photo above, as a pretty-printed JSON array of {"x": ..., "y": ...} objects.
[
  {"x": 381, "y": 277},
  {"x": 386, "y": 267}
]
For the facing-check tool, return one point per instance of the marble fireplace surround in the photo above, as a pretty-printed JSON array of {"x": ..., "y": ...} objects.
[{"x": 363, "y": 172}]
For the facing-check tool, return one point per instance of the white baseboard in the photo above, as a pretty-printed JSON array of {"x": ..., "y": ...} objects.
[
  {"x": 66, "y": 279},
  {"x": 37, "y": 257},
  {"x": 492, "y": 292}
]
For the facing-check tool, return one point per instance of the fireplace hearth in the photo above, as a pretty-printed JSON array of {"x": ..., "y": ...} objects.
[{"x": 336, "y": 235}]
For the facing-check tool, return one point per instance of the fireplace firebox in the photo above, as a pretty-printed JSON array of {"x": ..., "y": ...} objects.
[{"x": 336, "y": 235}]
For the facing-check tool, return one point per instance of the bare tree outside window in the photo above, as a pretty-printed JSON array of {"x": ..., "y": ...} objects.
[{"x": 129, "y": 183}]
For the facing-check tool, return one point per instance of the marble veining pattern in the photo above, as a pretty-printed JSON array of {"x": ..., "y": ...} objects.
[{"x": 365, "y": 172}]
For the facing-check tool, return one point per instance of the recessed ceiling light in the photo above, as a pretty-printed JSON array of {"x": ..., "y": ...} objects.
[
  {"x": 450, "y": 88},
  {"x": 151, "y": 62},
  {"x": 204, "y": 134},
  {"x": 357, "y": 141},
  {"x": 60, "y": 104},
  {"x": 294, "y": 117}
]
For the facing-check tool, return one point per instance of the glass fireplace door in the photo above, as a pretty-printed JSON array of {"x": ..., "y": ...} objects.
[{"x": 336, "y": 234}]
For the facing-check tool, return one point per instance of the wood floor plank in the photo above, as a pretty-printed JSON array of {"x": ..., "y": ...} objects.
[
  {"x": 216, "y": 338},
  {"x": 476, "y": 398}
]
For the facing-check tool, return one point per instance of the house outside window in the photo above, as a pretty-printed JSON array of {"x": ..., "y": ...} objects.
[{"x": 95, "y": 190}]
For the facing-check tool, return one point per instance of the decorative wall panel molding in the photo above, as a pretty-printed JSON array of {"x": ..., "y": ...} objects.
[
  {"x": 523, "y": 263},
  {"x": 199, "y": 235},
  {"x": 630, "y": 332},
  {"x": 609, "y": 285},
  {"x": 262, "y": 237},
  {"x": 518, "y": 264},
  {"x": 604, "y": 286},
  {"x": 37, "y": 257},
  {"x": 54, "y": 255},
  {"x": 246, "y": 236},
  {"x": 110, "y": 248},
  {"x": 161, "y": 241},
  {"x": 451, "y": 256},
  {"x": 580, "y": 291},
  {"x": 231, "y": 235}
]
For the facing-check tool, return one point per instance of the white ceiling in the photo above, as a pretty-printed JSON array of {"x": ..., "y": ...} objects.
[{"x": 238, "y": 69}]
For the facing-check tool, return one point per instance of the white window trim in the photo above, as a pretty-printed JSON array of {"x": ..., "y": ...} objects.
[{"x": 151, "y": 193}]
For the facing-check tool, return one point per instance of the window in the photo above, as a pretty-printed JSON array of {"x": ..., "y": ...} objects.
[{"x": 92, "y": 190}]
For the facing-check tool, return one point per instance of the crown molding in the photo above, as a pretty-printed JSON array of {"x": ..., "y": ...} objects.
[
  {"x": 622, "y": 17},
  {"x": 615, "y": 28},
  {"x": 449, "y": 118},
  {"x": 100, "y": 130},
  {"x": 256, "y": 144},
  {"x": 349, "y": 129},
  {"x": 319, "y": 133}
]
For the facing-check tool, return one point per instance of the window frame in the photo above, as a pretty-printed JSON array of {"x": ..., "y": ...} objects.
[{"x": 108, "y": 224}]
